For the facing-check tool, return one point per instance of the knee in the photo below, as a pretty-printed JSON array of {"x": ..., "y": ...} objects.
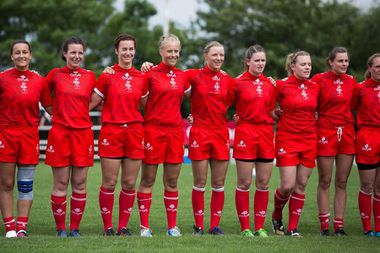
[
  {"x": 7, "y": 185},
  {"x": 79, "y": 186},
  {"x": 262, "y": 184},
  {"x": 367, "y": 188},
  {"x": 244, "y": 184},
  {"x": 341, "y": 184},
  {"x": 128, "y": 184},
  {"x": 171, "y": 183},
  {"x": 147, "y": 182},
  {"x": 110, "y": 184}
]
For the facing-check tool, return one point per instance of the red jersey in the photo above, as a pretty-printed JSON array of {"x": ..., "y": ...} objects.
[
  {"x": 20, "y": 92},
  {"x": 368, "y": 104},
  {"x": 71, "y": 91},
  {"x": 255, "y": 99},
  {"x": 122, "y": 94},
  {"x": 335, "y": 99},
  {"x": 211, "y": 94},
  {"x": 298, "y": 102},
  {"x": 166, "y": 87}
]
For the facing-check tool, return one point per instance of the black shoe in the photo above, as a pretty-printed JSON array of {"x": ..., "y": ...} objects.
[
  {"x": 325, "y": 232},
  {"x": 109, "y": 232},
  {"x": 340, "y": 232},
  {"x": 124, "y": 232},
  {"x": 278, "y": 227},
  {"x": 197, "y": 231}
]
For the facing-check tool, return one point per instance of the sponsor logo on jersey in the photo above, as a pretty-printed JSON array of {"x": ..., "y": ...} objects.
[
  {"x": 128, "y": 79},
  {"x": 23, "y": 84},
  {"x": 76, "y": 75},
  {"x": 339, "y": 90},
  {"x": 303, "y": 89},
  {"x": 216, "y": 79},
  {"x": 172, "y": 77},
  {"x": 259, "y": 88}
]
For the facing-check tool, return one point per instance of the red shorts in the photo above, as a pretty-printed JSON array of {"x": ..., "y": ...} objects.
[
  {"x": 253, "y": 141},
  {"x": 292, "y": 150},
  {"x": 334, "y": 141},
  {"x": 70, "y": 147},
  {"x": 207, "y": 143},
  {"x": 163, "y": 145},
  {"x": 368, "y": 145},
  {"x": 119, "y": 141},
  {"x": 19, "y": 145}
]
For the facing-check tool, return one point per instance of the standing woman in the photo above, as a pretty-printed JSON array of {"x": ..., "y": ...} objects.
[
  {"x": 163, "y": 134},
  {"x": 336, "y": 137},
  {"x": 20, "y": 94},
  {"x": 296, "y": 140},
  {"x": 254, "y": 136},
  {"x": 212, "y": 93},
  {"x": 70, "y": 147},
  {"x": 122, "y": 135},
  {"x": 368, "y": 146}
]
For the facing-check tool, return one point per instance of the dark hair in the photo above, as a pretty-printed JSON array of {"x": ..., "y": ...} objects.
[
  {"x": 122, "y": 37},
  {"x": 292, "y": 59},
  {"x": 20, "y": 42},
  {"x": 370, "y": 60},
  {"x": 72, "y": 40},
  {"x": 250, "y": 52},
  {"x": 333, "y": 53}
]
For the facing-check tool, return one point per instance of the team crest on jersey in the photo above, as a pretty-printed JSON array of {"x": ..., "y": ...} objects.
[
  {"x": 2, "y": 144},
  {"x": 216, "y": 79},
  {"x": 172, "y": 77},
  {"x": 323, "y": 140},
  {"x": 23, "y": 84},
  {"x": 339, "y": 90},
  {"x": 76, "y": 82},
  {"x": 259, "y": 89},
  {"x": 128, "y": 79},
  {"x": 303, "y": 89},
  {"x": 366, "y": 148}
]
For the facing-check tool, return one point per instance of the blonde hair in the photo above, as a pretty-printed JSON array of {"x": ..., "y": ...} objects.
[
  {"x": 164, "y": 39},
  {"x": 370, "y": 60},
  {"x": 211, "y": 44},
  {"x": 292, "y": 59}
]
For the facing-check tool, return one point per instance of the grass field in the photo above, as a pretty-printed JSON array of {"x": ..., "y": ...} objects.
[{"x": 42, "y": 229}]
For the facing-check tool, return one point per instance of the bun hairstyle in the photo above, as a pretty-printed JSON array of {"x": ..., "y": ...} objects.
[
  {"x": 168, "y": 38},
  {"x": 123, "y": 37},
  {"x": 20, "y": 42},
  {"x": 250, "y": 52},
  {"x": 292, "y": 59},
  {"x": 333, "y": 53},
  {"x": 370, "y": 60}
]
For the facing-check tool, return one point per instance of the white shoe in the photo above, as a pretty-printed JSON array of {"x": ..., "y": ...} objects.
[
  {"x": 11, "y": 234},
  {"x": 174, "y": 232},
  {"x": 145, "y": 232}
]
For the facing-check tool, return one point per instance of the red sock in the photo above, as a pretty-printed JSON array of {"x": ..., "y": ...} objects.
[
  {"x": 338, "y": 223},
  {"x": 171, "y": 204},
  {"x": 22, "y": 222},
  {"x": 58, "y": 206},
  {"x": 77, "y": 205},
  {"x": 365, "y": 209},
  {"x": 198, "y": 202},
  {"x": 324, "y": 221},
  {"x": 295, "y": 209},
  {"x": 126, "y": 201},
  {"x": 216, "y": 206},
  {"x": 279, "y": 203},
  {"x": 260, "y": 207},
  {"x": 144, "y": 201},
  {"x": 242, "y": 207},
  {"x": 106, "y": 198},
  {"x": 9, "y": 224},
  {"x": 376, "y": 212}
]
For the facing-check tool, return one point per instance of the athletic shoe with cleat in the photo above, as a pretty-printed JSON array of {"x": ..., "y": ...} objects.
[
  {"x": 174, "y": 232},
  {"x": 369, "y": 233},
  {"x": 61, "y": 233},
  {"x": 146, "y": 232},
  {"x": 216, "y": 231},
  {"x": 377, "y": 234},
  {"x": 261, "y": 233},
  {"x": 11, "y": 234},
  {"x": 124, "y": 232},
  {"x": 197, "y": 231},
  {"x": 22, "y": 233},
  {"x": 340, "y": 232},
  {"x": 325, "y": 232},
  {"x": 294, "y": 233},
  {"x": 109, "y": 232},
  {"x": 74, "y": 233},
  {"x": 246, "y": 233},
  {"x": 278, "y": 227}
]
